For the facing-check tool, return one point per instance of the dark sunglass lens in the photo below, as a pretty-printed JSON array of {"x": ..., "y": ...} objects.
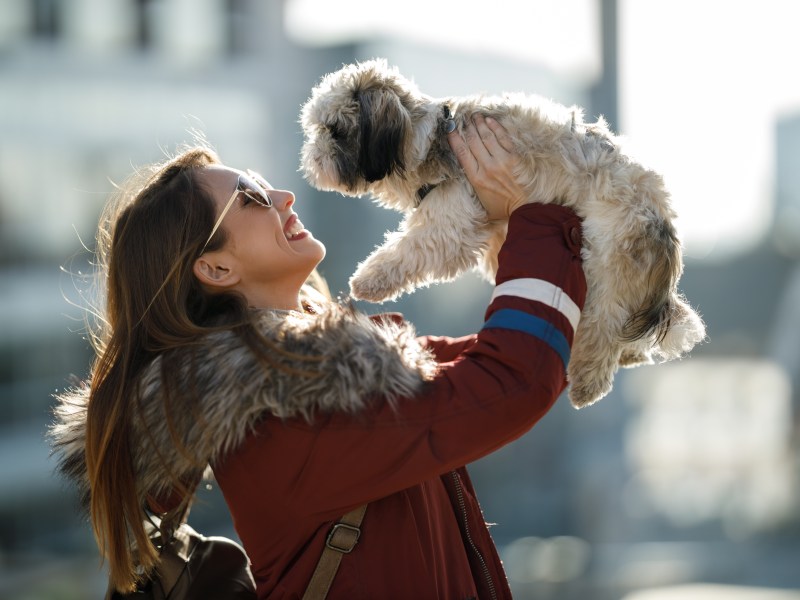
[
  {"x": 258, "y": 196},
  {"x": 256, "y": 189}
]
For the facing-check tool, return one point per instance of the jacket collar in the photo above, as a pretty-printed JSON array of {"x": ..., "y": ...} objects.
[{"x": 223, "y": 390}]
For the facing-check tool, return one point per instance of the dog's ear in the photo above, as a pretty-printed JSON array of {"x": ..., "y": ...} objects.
[
  {"x": 659, "y": 253},
  {"x": 384, "y": 124}
]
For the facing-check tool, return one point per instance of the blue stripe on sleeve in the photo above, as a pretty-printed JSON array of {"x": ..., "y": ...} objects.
[{"x": 508, "y": 318}]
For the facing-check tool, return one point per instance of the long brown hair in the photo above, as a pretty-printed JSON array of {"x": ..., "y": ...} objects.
[
  {"x": 147, "y": 240},
  {"x": 146, "y": 236}
]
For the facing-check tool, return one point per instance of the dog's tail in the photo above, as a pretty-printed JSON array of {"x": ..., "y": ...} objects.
[{"x": 664, "y": 317}]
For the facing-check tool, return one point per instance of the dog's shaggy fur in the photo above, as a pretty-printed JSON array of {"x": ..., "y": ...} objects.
[{"x": 368, "y": 129}]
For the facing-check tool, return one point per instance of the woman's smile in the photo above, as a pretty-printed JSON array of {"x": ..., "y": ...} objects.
[
  {"x": 294, "y": 229},
  {"x": 268, "y": 253}
]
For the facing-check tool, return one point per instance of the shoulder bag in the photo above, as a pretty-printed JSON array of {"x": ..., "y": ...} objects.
[{"x": 196, "y": 567}]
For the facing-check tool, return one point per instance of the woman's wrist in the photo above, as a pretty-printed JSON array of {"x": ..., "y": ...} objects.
[{"x": 543, "y": 240}]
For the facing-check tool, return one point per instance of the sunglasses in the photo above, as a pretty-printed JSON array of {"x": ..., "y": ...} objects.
[{"x": 254, "y": 187}]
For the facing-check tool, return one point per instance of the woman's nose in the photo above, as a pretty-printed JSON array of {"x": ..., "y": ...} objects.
[{"x": 282, "y": 199}]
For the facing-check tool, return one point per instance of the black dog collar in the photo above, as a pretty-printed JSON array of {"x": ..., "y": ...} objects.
[{"x": 448, "y": 125}]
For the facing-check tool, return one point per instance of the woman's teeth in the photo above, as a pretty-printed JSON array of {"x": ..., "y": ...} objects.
[{"x": 295, "y": 229}]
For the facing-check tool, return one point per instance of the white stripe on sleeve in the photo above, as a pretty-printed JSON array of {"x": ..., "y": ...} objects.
[{"x": 544, "y": 292}]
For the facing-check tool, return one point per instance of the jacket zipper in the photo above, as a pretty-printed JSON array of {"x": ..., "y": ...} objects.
[{"x": 463, "y": 513}]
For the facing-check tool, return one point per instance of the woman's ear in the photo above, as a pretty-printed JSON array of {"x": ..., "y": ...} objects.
[{"x": 213, "y": 272}]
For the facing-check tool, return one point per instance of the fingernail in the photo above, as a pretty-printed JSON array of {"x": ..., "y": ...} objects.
[
  {"x": 449, "y": 126},
  {"x": 490, "y": 120}
]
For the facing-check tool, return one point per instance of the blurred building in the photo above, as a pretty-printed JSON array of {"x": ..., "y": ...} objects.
[{"x": 685, "y": 473}]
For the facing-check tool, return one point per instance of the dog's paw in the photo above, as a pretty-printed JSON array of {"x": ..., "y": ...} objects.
[
  {"x": 585, "y": 392},
  {"x": 590, "y": 380},
  {"x": 373, "y": 286},
  {"x": 633, "y": 358}
]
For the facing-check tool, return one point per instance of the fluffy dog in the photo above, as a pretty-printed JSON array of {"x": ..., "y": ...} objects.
[{"x": 368, "y": 129}]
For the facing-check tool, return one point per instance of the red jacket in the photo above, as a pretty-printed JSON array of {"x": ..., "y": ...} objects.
[{"x": 423, "y": 535}]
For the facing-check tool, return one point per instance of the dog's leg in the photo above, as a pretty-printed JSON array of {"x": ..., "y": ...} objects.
[
  {"x": 591, "y": 370},
  {"x": 497, "y": 232},
  {"x": 443, "y": 237},
  {"x": 596, "y": 351},
  {"x": 633, "y": 357}
]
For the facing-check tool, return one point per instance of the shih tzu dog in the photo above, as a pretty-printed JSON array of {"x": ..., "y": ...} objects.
[{"x": 370, "y": 130}]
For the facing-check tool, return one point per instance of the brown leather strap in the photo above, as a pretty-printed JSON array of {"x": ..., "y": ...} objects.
[{"x": 341, "y": 540}]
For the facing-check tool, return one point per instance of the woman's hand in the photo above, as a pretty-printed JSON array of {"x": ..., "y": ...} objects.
[{"x": 489, "y": 160}]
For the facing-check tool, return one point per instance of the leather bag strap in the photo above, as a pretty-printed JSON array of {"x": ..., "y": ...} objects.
[{"x": 341, "y": 540}]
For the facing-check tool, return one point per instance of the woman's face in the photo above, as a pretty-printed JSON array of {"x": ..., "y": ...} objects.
[{"x": 268, "y": 254}]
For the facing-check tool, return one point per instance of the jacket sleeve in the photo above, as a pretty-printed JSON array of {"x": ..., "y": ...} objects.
[
  {"x": 447, "y": 349},
  {"x": 444, "y": 348},
  {"x": 489, "y": 390}
]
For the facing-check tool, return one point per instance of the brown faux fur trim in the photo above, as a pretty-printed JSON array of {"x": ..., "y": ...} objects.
[{"x": 359, "y": 358}]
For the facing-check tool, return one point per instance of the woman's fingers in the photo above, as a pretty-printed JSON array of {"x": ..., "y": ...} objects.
[
  {"x": 477, "y": 135},
  {"x": 487, "y": 156},
  {"x": 478, "y": 146},
  {"x": 492, "y": 145},
  {"x": 488, "y": 139},
  {"x": 500, "y": 136},
  {"x": 463, "y": 153}
]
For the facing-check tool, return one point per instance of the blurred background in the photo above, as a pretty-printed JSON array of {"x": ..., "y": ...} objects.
[{"x": 681, "y": 484}]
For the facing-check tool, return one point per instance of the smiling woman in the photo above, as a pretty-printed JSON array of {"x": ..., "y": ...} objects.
[
  {"x": 215, "y": 350},
  {"x": 267, "y": 255},
  {"x": 189, "y": 248}
]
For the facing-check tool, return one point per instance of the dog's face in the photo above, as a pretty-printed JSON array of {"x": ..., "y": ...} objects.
[{"x": 357, "y": 125}]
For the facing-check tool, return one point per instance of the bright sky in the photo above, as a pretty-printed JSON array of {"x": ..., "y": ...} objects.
[{"x": 701, "y": 83}]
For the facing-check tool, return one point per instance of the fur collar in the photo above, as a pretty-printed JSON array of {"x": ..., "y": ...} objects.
[{"x": 223, "y": 391}]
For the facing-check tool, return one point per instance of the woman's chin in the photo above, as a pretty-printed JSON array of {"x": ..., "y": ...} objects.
[{"x": 321, "y": 250}]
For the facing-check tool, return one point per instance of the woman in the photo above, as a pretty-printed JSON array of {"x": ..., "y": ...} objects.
[{"x": 215, "y": 351}]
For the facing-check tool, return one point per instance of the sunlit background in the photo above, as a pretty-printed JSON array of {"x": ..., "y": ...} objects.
[{"x": 681, "y": 485}]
